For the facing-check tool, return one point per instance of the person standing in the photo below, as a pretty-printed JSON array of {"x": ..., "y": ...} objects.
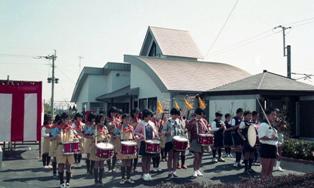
[
  {"x": 77, "y": 126},
  {"x": 268, "y": 138},
  {"x": 54, "y": 132},
  {"x": 145, "y": 131},
  {"x": 195, "y": 127},
  {"x": 235, "y": 123},
  {"x": 135, "y": 120},
  {"x": 172, "y": 128},
  {"x": 218, "y": 128},
  {"x": 248, "y": 150},
  {"x": 227, "y": 135},
  {"x": 101, "y": 135},
  {"x": 45, "y": 132},
  {"x": 126, "y": 134},
  {"x": 88, "y": 131},
  {"x": 65, "y": 161}
]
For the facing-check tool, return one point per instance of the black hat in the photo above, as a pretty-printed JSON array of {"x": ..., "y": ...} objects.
[
  {"x": 199, "y": 111},
  {"x": 91, "y": 117},
  {"x": 218, "y": 114},
  {"x": 146, "y": 113},
  {"x": 239, "y": 110},
  {"x": 174, "y": 111},
  {"x": 64, "y": 116},
  {"x": 78, "y": 115},
  {"x": 247, "y": 112}
]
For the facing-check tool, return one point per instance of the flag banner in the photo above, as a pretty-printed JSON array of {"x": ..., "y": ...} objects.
[{"x": 21, "y": 110}]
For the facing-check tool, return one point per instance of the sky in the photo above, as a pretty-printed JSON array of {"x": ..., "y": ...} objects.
[{"x": 104, "y": 30}]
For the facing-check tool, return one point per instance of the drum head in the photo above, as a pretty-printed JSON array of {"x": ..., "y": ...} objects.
[
  {"x": 152, "y": 141},
  {"x": 252, "y": 135},
  {"x": 180, "y": 138},
  {"x": 129, "y": 143},
  {"x": 104, "y": 146}
]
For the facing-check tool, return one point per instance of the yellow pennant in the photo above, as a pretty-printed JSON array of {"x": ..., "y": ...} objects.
[
  {"x": 160, "y": 109},
  {"x": 188, "y": 105},
  {"x": 176, "y": 105},
  {"x": 201, "y": 103}
]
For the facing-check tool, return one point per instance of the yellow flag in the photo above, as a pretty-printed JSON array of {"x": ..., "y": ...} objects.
[
  {"x": 201, "y": 103},
  {"x": 176, "y": 105},
  {"x": 160, "y": 109},
  {"x": 188, "y": 105}
]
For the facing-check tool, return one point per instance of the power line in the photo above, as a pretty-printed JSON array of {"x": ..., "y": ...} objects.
[
  {"x": 243, "y": 43},
  {"x": 16, "y": 55},
  {"x": 223, "y": 26},
  {"x": 295, "y": 23}
]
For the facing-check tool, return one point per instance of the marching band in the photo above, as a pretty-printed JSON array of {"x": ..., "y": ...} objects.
[{"x": 150, "y": 138}]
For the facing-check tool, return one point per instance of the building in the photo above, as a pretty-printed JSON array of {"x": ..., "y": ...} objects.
[
  {"x": 167, "y": 69},
  {"x": 294, "y": 99},
  {"x": 95, "y": 82}
]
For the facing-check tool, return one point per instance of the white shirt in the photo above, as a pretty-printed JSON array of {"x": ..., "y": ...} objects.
[
  {"x": 268, "y": 131},
  {"x": 233, "y": 122},
  {"x": 214, "y": 126},
  {"x": 43, "y": 132},
  {"x": 242, "y": 125}
]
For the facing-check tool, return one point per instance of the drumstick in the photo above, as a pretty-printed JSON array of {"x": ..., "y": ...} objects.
[{"x": 95, "y": 133}]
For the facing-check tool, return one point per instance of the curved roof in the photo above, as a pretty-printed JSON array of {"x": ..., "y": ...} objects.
[{"x": 186, "y": 75}]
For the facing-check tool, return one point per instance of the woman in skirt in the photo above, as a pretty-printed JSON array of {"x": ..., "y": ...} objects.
[
  {"x": 102, "y": 135},
  {"x": 126, "y": 134},
  {"x": 197, "y": 126},
  {"x": 248, "y": 150},
  {"x": 145, "y": 131},
  {"x": 218, "y": 128},
  {"x": 172, "y": 128},
  {"x": 65, "y": 161},
  {"x": 227, "y": 135},
  {"x": 268, "y": 138},
  {"x": 54, "y": 133},
  {"x": 88, "y": 132},
  {"x": 45, "y": 132}
]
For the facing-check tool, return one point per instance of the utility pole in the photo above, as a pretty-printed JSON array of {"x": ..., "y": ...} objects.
[
  {"x": 288, "y": 52},
  {"x": 52, "y": 80}
]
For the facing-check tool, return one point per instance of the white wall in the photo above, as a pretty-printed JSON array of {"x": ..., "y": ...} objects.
[
  {"x": 115, "y": 82},
  {"x": 229, "y": 104},
  {"x": 82, "y": 97},
  {"x": 148, "y": 88},
  {"x": 96, "y": 86}
]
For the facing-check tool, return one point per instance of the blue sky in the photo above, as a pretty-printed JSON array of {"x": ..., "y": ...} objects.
[{"x": 104, "y": 30}]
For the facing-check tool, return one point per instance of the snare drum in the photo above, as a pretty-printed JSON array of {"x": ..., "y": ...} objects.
[
  {"x": 152, "y": 146},
  {"x": 70, "y": 148},
  {"x": 206, "y": 139},
  {"x": 180, "y": 143},
  {"x": 104, "y": 150},
  {"x": 128, "y": 148}
]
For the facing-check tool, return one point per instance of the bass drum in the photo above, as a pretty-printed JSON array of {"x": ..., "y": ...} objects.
[{"x": 251, "y": 134}]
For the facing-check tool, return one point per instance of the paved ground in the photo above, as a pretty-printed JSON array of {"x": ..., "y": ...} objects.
[{"x": 23, "y": 170}]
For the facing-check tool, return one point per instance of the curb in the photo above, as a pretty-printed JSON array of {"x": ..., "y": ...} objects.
[{"x": 296, "y": 160}]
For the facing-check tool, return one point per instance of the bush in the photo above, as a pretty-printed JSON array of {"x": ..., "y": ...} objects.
[
  {"x": 298, "y": 149},
  {"x": 289, "y": 181}
]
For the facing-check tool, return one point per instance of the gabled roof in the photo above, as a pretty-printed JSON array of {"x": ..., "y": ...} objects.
[
  {"x": 171, "y": 42},
  {"x": 80, "y": 81},
  {"x": 266, "y": 81},
  {"x": 109, "y": 66},
  {"x": 186, "y": 75}
]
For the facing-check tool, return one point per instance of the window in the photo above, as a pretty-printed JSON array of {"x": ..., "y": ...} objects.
[
  {"x": 152, "y": 104},
  {"x": 152, "y": 51},
  {"x": 143, "y": 104}
]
